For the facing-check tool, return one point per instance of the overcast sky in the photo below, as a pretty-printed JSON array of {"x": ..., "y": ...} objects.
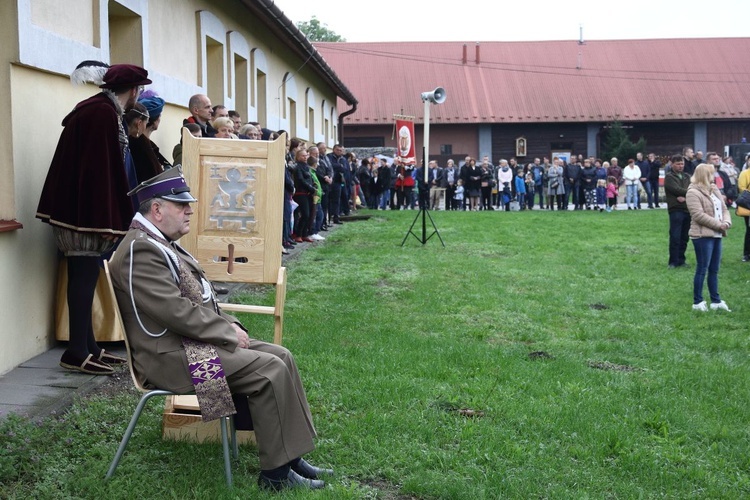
[{"x": 488, "y": 20}]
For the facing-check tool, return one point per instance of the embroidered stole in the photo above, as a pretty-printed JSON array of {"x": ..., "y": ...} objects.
[{"x": 206, "y": 371}]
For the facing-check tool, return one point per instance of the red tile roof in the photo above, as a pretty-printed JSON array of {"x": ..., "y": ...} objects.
[{"x": 550, "y": 81}]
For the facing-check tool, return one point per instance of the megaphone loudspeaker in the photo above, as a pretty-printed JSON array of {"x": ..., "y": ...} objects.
[{"x": 437, "y": 96}]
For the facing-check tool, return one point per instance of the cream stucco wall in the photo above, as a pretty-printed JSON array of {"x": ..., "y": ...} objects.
[
  {"x": 42, "y": 36},
  {"x": 28, "y": 267},
  {"x": 8, "y": 50},
  {"x": 173, "y": 40},
  {"x": 72, "y": 19}
]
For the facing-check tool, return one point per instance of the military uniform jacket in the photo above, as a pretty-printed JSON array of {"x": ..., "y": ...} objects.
[{"x": 156, "y": 317}]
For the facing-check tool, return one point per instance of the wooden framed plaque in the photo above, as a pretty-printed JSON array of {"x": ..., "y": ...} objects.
[{"x": 235, "y": 231}]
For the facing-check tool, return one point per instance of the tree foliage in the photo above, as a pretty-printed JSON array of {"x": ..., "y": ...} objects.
[
  {"x": 617, "y": 144},
  {"x": 315, "y": 31}
]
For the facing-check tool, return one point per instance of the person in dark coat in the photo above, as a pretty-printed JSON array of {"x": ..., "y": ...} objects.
[
  {"x": 588, "y": 183},
  {"x": 142, "y": 155},
  {"x": 154, "y": 105},
  {"x": 364, "y": 176},
  {"x": 573, "y": 183},
  {"x": 340, "y": 166},
  {"x": 654, "y": 166},
  {"x": 384, "y": 184},
  {"x": 85, "y": 200},
  {"x": 449, "y": 181},
  {"x": 304, "y": 190},
  {"x": 201, "y": 114},
  {"x": 676, "y": 183}
]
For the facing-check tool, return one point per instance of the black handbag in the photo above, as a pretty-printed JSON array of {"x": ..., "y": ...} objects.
[{"x": 744, "y": 199}]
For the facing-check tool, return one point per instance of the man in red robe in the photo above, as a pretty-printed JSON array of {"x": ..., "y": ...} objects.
[{"x": 85, "y": 201}]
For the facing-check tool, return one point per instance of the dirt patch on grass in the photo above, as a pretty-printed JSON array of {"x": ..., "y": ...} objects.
[
  {"x": 458, "y": 409},
  {"x": 598, "y": 306},
  {"x": 540, "y": 355},
  {"x": 386, "y": 490},
  {"x": 606, "y": 365},
  {"x": 117, "y": 383}
]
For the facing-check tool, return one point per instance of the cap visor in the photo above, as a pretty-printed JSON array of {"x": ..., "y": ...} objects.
[{"x": 185, "y": 197}]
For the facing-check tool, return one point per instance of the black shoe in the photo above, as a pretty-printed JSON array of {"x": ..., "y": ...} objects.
[
  {"x": 746, "y": 258},
  {"x": 221, "y": 289},
  {"x": 292, "y": 480},
  {"x": 338, "y": 222},
  {"x": 308, "y": 471}
]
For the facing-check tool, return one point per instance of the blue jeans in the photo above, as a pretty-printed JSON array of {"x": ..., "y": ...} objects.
[
  {"x": 631, "y": 194},
  {"x": 385, "y": 198},
  {"x": 649, "y": 194},
  {"x": 707, "y": 261},
  {"x": 318, "y": 218},
  {"x": 655, "y": 190}
]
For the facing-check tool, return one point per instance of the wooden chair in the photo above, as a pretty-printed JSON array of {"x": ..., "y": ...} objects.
[
  {"x": 226, "y": 423},
  {"x": 277, "y": 310}
]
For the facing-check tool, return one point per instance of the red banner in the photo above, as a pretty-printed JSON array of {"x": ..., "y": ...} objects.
[{"x": 405, "y": 142}]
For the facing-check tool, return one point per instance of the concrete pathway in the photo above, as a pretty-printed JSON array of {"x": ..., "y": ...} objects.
[{"x": 41, "y": 387}]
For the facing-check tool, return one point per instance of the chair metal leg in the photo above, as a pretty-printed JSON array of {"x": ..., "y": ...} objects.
[
  {"x": 235, "y": 445},
  {"x": 131, "y": 427},
  {"x": 225, "y": 446}
]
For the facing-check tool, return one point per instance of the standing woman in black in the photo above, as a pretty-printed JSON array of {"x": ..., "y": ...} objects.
[
  {"x": 473, "y": 184},
  {"x": 154, "y": 105},
  {"x": 304, "y": 189},
  {"x": 486, "y": 186},
  {"x": 142, "y": 155}
]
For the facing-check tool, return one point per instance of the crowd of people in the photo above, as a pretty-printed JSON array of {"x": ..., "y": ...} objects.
[{"x": 582, "y": 183}]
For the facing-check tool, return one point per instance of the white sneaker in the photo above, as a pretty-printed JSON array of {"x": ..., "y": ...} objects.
[
  {"x": 317, "y": 237},
  {"x": 702, "y": 306},
  {"x": 720, "y": 305}
]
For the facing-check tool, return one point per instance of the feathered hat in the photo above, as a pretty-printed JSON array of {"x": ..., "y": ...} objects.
[{"x": 89, "y": 72}]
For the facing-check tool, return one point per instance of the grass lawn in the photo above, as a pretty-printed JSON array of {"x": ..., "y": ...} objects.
[{"x": 539, "y": 354}]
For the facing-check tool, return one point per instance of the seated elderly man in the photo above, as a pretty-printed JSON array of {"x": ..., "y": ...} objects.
[{"x": 181, "y": 340}]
